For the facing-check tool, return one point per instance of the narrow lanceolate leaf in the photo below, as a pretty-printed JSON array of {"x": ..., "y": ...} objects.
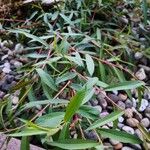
[
  {"x": 119, "y": 136},
  {"x": 25, "y": 143},
  {"x": 65, "y": 77},
  {"x": 90, "y": 64},
  {"x": 46, "y": 78},
  {"x": 33, "y": 131},
  {"x": 51, "y": 120},
  {"x": 74, "y": 105},
  {"x": 126, "y": 85},
  {"x": 74, "y": 144},
  {"x": 111, "y": 117},
  {"x": 33, "y": 37}
]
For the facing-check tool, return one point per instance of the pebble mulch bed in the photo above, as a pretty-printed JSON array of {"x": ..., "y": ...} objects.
[{"x": 133, "y": 114}]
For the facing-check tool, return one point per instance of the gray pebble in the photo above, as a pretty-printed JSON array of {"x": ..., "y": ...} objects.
[
  {"x": 127, "y": 148},
  {"x": 104, "y": 114},
  {"x": 144, "y": 104},
  {"x": 121, "y": 104},
  {"x": 103, "y": 103},
  {"x": 18, "y": 47},
  {"x": 134, "y": 102},
  {"x": 128, "y": 103},
  {"x": 145, "y": 122},
  {"x": 121, "y": 119},
  {"x": 140, "y": 74},
  {"x": 147, "y": 112},
  {"x": 138, "y": 133},
  {"x": 138, "y": 55},
  {"x": 113, "y": 142},
  {"x": 17, "y": 64},
  {"x": 128, "y": 129},
  {"x": 15, "y": 100}
]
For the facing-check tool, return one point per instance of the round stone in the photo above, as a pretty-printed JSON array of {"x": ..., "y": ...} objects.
[
  {"x": 123, "y": 96},
  {"x": 121, "y": 119},
  {"x": 138, "y": 133},
  {"x": 128, "y": 113},
  {"x": 17, "y": 64},
  {"x": 103, "y": 103},
  {"x": 118, "y": 146},
  {"x": 140, "y": 74},
  {"x": 138, "y": 55},
  {"x": 128, "y": 129},
  {"x": 144, "y": 104},
  {"x": 121, "y": 104},
  {"x": 114, "y": 142},
  {"x": 15, "y": 100},
  {"x": 145, "y": 122},
  {"x": 127, "y": 148},
  {"x": 132, "y": 122},
  {"x": 147, "y": 112},
  {"x": 128, "y": 103}
]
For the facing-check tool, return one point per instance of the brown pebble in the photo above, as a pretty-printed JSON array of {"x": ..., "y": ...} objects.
[
  {"x": 123, "y": 96},
  {"x": 118, "y": 146},
  {"x": 128, "y": 113},
  {"x": 132, "y": 122}
]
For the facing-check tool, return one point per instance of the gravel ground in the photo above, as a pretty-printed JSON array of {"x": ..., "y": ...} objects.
[{"x": 10, "y": 62}]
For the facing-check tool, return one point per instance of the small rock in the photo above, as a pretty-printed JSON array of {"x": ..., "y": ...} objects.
[
  {"x": 128, "y": 113},
  {"x": 15, "y": 100},
  {"x": 138, "y": 133},
  {"x": 103, "y": 103},
  {"x": 118, "y": 146},
  {"x": 128, "y": 129},
  {"x": 121, "y": 104},
  {"x": 144, "y": 104},
  {"x": 18, "y": 64},
  {"x": 113, "y": 142},
  {"x": 134, "y": 102},
  {"x": 140, "y": 74},
  {"x": 104, "y": 114},
  {"x": 105, "y": 127},
  {"x": 90, "y": 135},
  {"x": 127, "y": 148},
  {"x": 121, "y": 119},
  {"x": 99, "y": 108},
  {"x": 120, "y": 125},
  {"x": 138, "y": 55},
  {"x": 145, "y": 122},
  {"x": 18, "y": 47},
  {"x": 146, "y": 68},
  {"x": 6, "y": 70},
  {"x": 147, "y": 112},
  {"x": 128, "y": 103},
  {"x": 94, "y": 102},
  {"x": 1, "y": 94},
  {"x": 114, "y": 97},
  {"x": 124, "y": 20},
  {"x": 132, "y": 122},
  {"x": 123, "y": 96},
  {"x": 137, "y": 115},
  {"x": 110, "y": 124}
]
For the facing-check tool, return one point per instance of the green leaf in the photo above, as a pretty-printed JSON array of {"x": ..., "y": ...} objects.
[
  {"x": 25, "y": 143},
  {"x": 109, "y": 118},
  {"x": 44, "y": 102},
  {"x": 126, "y": 85},
  {"x": 51, "y": 120},
  {"x": 65, "y": 77},
  {"x": 74, "y": 144},
  {"x": 88, "y": 112},
  {"x": 46, "y": 78},
  {"x": 35, "y": 38},
  {"x": 119, "y": 136},
  {"x": 74, "y": 105},
  {"x": 64, "y": 134},
  {"x": 90, "y": 64},
  {"x": 29, "y": 131},
  {"x": 35, "y": 55}
]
